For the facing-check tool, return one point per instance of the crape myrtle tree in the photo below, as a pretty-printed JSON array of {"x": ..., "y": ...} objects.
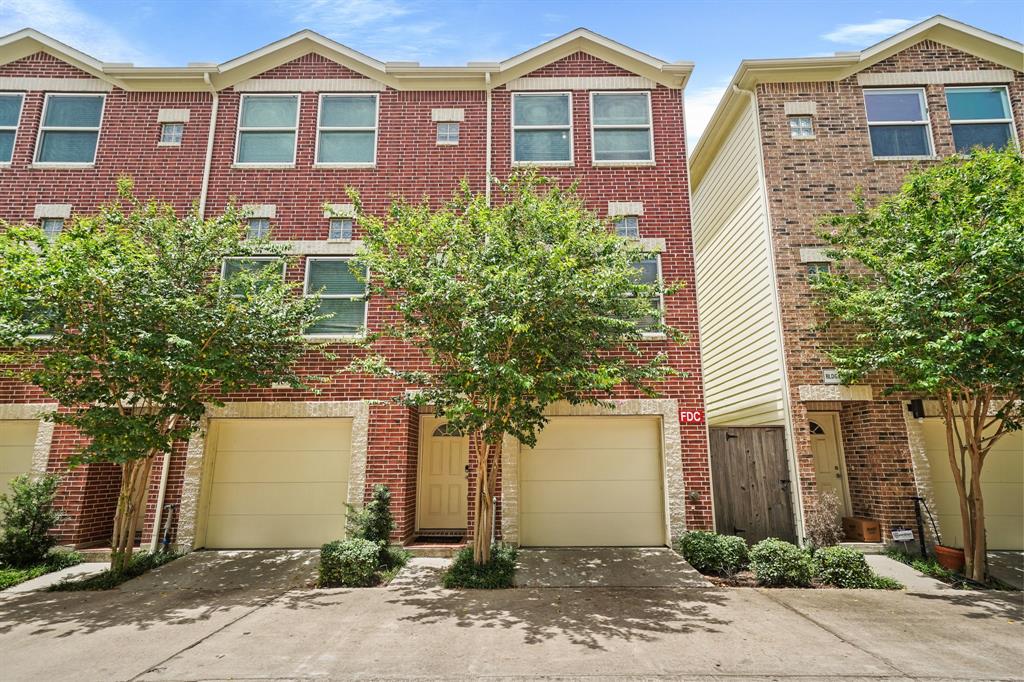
[
  {"x": 516, "y": 305},
  {"x": 931, "y": 284},
  {"x": 124, "y": 320}
]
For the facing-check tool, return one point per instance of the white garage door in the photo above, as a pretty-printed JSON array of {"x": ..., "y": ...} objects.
[
  {"x": 1002, "y": 488},
  {"x": 593, "y": 481},
  {"x": 277, "y": 482},
  {"x": 17, "y": 440}
]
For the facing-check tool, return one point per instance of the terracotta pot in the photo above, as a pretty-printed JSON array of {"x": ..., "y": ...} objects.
[{"x": 950, "y": 558}]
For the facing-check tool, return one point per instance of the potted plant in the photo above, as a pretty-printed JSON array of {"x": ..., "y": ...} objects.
[{"x": 950, "y": 558}]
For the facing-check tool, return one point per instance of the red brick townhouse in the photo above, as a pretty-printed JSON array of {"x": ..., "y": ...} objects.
[
  {"x": 283, "y": 131},
  {"x": 790, "y": 141}
]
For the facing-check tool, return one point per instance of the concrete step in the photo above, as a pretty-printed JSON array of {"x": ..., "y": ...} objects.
[
  {"x": 865, "y": 547},
  {"x": 442, "y": 551}
]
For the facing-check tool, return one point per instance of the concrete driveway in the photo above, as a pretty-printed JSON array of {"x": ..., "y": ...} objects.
[
  {"x": 206, "y": 617},
  {"x": 605, "y": 567}
]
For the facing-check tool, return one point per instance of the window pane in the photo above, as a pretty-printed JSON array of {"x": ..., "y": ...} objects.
[
  {"x": 624, "y": 109},
  {"x": 74, "y": 112},
  {"x": 894, "y": 106},
  {"x": 968, "y": 136},
  {"x": 541, "y": 110},
  {"x": 52, "y": 227},
  {"x": 647, "y": 270},
  {"x": 233, "y": 266},
  {"x": 627, "y": 226},
  {"x": 347, "y": 316},
  {"x": 340, "y": 228},
  {"x": 348, "y": 112},
  {"x": 622, "y": 145},
  {"x": 68, "y": 147},
  {"x": 542, "y": 145},
  {"x": 10, "y": 108},
  {"x": 269, "y": 112},
  {"x": 266, "y": 147},
  {"x": 346, "y": 147},
  {"x": 6, "y": 145},
  {"x": 170, "y": 133},
  {"x": 980, "y": 103},
  {"x": 334, "y": 278},
  {"x": 899, "y": 140},
  {"x": 258, "y": 228}
]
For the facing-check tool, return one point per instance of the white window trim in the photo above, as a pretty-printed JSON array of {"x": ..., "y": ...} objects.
[
  {"x": 926, "y": 122},
  {"x": 294, "y": 129},
  {"x": 267, "y": 259},
  {"x": 661, "y": 302},
  {"x": 968, "y": 121},
  {"x": 36, "y": 163},
  {"x": 160, "y": 142},
  {"x": 364, "y": 298},
  {"x": 569, "y": 127},
  {"x": 317, "y": 163},
  {"x": 448, "y": 143},
  {"x": 789, "y": 124},
  {"x": 16, "y": 127},
  {"x": 594, "y": 127},
  {"x": 340, "y": 240}
]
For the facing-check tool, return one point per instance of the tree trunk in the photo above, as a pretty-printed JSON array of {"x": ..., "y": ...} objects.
[
  {"x": 130, "y": 499},
  {"x": 483, "y": 504}
]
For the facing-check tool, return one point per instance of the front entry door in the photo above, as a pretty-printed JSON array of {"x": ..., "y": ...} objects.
[
  {"x": 830, "y": 473},
  {"x": 443, "y": 486}
]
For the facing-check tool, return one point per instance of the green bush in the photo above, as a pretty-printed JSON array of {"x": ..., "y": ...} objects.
[
  {"x": 777, "y": 563},
  {"x": 713, "y": 553},
  {"x": 373, "y": 521},
  {"x": 842, "y": 567},
  {"x": 137, "y": 565},
  {"x": 349, "y": 563},
  {"x": 27, "y": 516},
  {"x": 881, "y": 582},
  {"x": 498, "y": 573}
]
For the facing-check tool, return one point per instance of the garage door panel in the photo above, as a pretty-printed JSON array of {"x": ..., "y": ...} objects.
[
  {"x": 305, "y": 434},
  {"x": 588, "y": 496},
  {"x": 273, "y": 531},
  {"x": 592, "y": 464},
  {"x": 246, "y": 466},
  {"x": 589, "y": 530},
  {"x": 610, "y": 432},
  {"x": 282, "y": 498}
]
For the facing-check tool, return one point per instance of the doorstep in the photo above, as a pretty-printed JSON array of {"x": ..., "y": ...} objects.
[{"x": 865, "y": 547}]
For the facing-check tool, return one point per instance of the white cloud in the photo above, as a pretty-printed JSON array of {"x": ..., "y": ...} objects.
[
  {"x": 63, "y": 20},
  {"x": 700, "y": 105},
  {"x": 867, "y": 33},
  {"x": 334, "y": 15}
]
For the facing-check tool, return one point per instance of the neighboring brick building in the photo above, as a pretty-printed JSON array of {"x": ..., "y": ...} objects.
[
  {"x": 789, "y": 143},
  {"x": 294, "y": 124}
]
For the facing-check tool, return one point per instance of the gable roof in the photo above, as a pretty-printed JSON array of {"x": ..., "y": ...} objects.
[
  {"x": 398, "y": 75},
  {"x": 955, "y": 34}
]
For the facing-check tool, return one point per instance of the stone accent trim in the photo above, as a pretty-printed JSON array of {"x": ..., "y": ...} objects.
[
  {"x": 935, "y": 77},
  {"x": 447, "y": 115},
  {"x": 653, "y": 244},
  {"x": 812, "y": 255},
  {"x": 55, "y": 84},
  {"x": 44, "y": 434},
  {"x": 620, "y": 208},
  {"x": 801, "y": 108},
  {"x": 357, "y": 410},
  {"x": 172, "y": 116},
  {"x": 822, "y": 392},
  {"x": 323, "y": 248},
  {"x": 583, "y": 83},
  {"x": 340, "y": 211},
  {"x": 52, "y": 211},
  {"x": 309, "y": 85},
  {"x": 671, "y": 458},
  {"x": 260, "y": 210}
]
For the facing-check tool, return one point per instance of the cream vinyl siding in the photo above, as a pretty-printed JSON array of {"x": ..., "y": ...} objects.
[
  {"x": 1002, "y": 488},
  {"x": 276, "y": 482},
  {"x": 740, "y": 343},
  {"x": 593, "y": 481},
  {"x": 17, "y": 440}
]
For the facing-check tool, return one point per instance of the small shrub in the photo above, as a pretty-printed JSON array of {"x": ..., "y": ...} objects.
[
  {"x": 139, "y": 563},
  {"x": 27, "y": 516},
  {"x": 712, "y": 553},
  {"x": 55, "y": 561},
  {"x": 778, "y": 563},
  {"x": 498, "y": 573},
  {"x": 349, "y": 563},
  {"x": 373, "y": 521},
  {"x": 842, "y": 567},
  {"x": 881, "y": 582},
  {"x": 824, "y": 521}
]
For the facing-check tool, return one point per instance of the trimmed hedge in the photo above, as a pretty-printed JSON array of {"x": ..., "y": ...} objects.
[
  {"x": 498, "y": 573},
  {"x": 842, "y": 567},
  {"x": 349, "y": 563},
  {"x": 777, "y": 563},
  {"x": 715, "y": 554}
]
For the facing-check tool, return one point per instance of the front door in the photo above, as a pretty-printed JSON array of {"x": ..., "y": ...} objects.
[
  {"x": 443, "y": 486},
  {"x": 830, "y": 473}
]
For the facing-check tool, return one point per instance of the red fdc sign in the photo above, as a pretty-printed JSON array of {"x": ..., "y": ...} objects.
[{"x": 691, "y": 416}]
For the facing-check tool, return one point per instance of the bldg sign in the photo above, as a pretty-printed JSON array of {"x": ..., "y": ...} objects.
[{"x": 830, "y": 377}]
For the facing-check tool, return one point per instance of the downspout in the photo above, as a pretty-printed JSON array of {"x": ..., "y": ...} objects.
[
  {"x": 487, "y": 179},
  {"x": 787, "y": 410}
]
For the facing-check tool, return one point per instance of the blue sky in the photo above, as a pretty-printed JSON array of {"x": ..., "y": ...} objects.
[{"x": 716, "y": 34}]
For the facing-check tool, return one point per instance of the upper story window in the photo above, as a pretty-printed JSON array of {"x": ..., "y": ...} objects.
[
  {"x": 339, "y": 229},
  {"x": 347, "y": 130},
  {"x": 70, "y": 129},
  {"x": 52, "y": 227},
  {"x": 447, "y": 133},
  {"x": 898, "y": 123},
  {"x": 266, "y": 129},
  {"x": 649, "y": 272},
  {"x": 342, "y": 296},
  {"x": 257, "y": 228},
  {"x": 247, "y": 264},
  {"x": 801, "y": 127},
  {"x": 171, "y": 133},
  {"x": 10, "y": 116},
  {"x": 980, "y": 117},
  {"x": 627, "y": 226},
  {"x": 622, "y": 126},
  {"x": 541, "y": 128}
]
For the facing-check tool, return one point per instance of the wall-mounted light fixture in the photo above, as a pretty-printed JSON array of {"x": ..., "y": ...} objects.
[{"x": 916, "y": 409}]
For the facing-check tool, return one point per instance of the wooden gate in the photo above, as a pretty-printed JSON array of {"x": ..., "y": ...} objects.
[{"x": 751, "y": 482}]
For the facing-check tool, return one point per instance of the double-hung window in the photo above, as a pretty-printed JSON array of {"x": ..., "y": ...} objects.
[
  {"x": 649, "y": 272},
  {"x": 342, "y": 296},
  {"x": 70, "y": 129},
  {"x": 980, "y": 117},
  {"x": 621, "y": 123},
  {"x": 542, "y": 128},
  {"x": 266, "y": 129},
  {"x": 347, "y": 130},
  {"x": 898, "y": 123},
  {"x": 10, "y": 115},
  {"x": 236, "y": 265}
]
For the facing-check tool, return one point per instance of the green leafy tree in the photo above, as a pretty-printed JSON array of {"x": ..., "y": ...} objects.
[
  {"x": 124, "y": 320},
  {"x": 515, "y": 306},
  {"x": 930, "y": 288}
]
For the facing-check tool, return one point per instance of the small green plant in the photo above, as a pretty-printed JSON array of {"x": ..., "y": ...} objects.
[
  {"x": 55, "y": 561},
  {"x": 353, "y": 562},
  {"x": 373, "y": 521},
  {"x": 931, "y": 568},
  {"x": 777, "y": 563},
  {"x": 881, "y": 582},
  {"x": 140, "y": 563},
  {"x": 496, "y": 574},
  {"x": 715, "y": 554},
  {"x": 27, "y": 515},
  {"x": 842, "y": 567}
]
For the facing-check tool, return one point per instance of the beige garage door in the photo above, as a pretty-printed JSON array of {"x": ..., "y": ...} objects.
[
  {"x": 1002, "y": 485},
  {"x": 593, "y": 481},
  {"x": 17, "y": 440},
  {"x": 276, "y": 482}
]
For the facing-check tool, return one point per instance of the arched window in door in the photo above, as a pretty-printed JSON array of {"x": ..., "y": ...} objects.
[
  {"x": 447, "y": 430},
  {"x": 816, "y": 430}
]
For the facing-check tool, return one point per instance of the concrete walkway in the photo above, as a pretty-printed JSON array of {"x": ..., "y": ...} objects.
[
  {"x": 605, "y": 567},
  {"x": 69, "y": 573}
]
